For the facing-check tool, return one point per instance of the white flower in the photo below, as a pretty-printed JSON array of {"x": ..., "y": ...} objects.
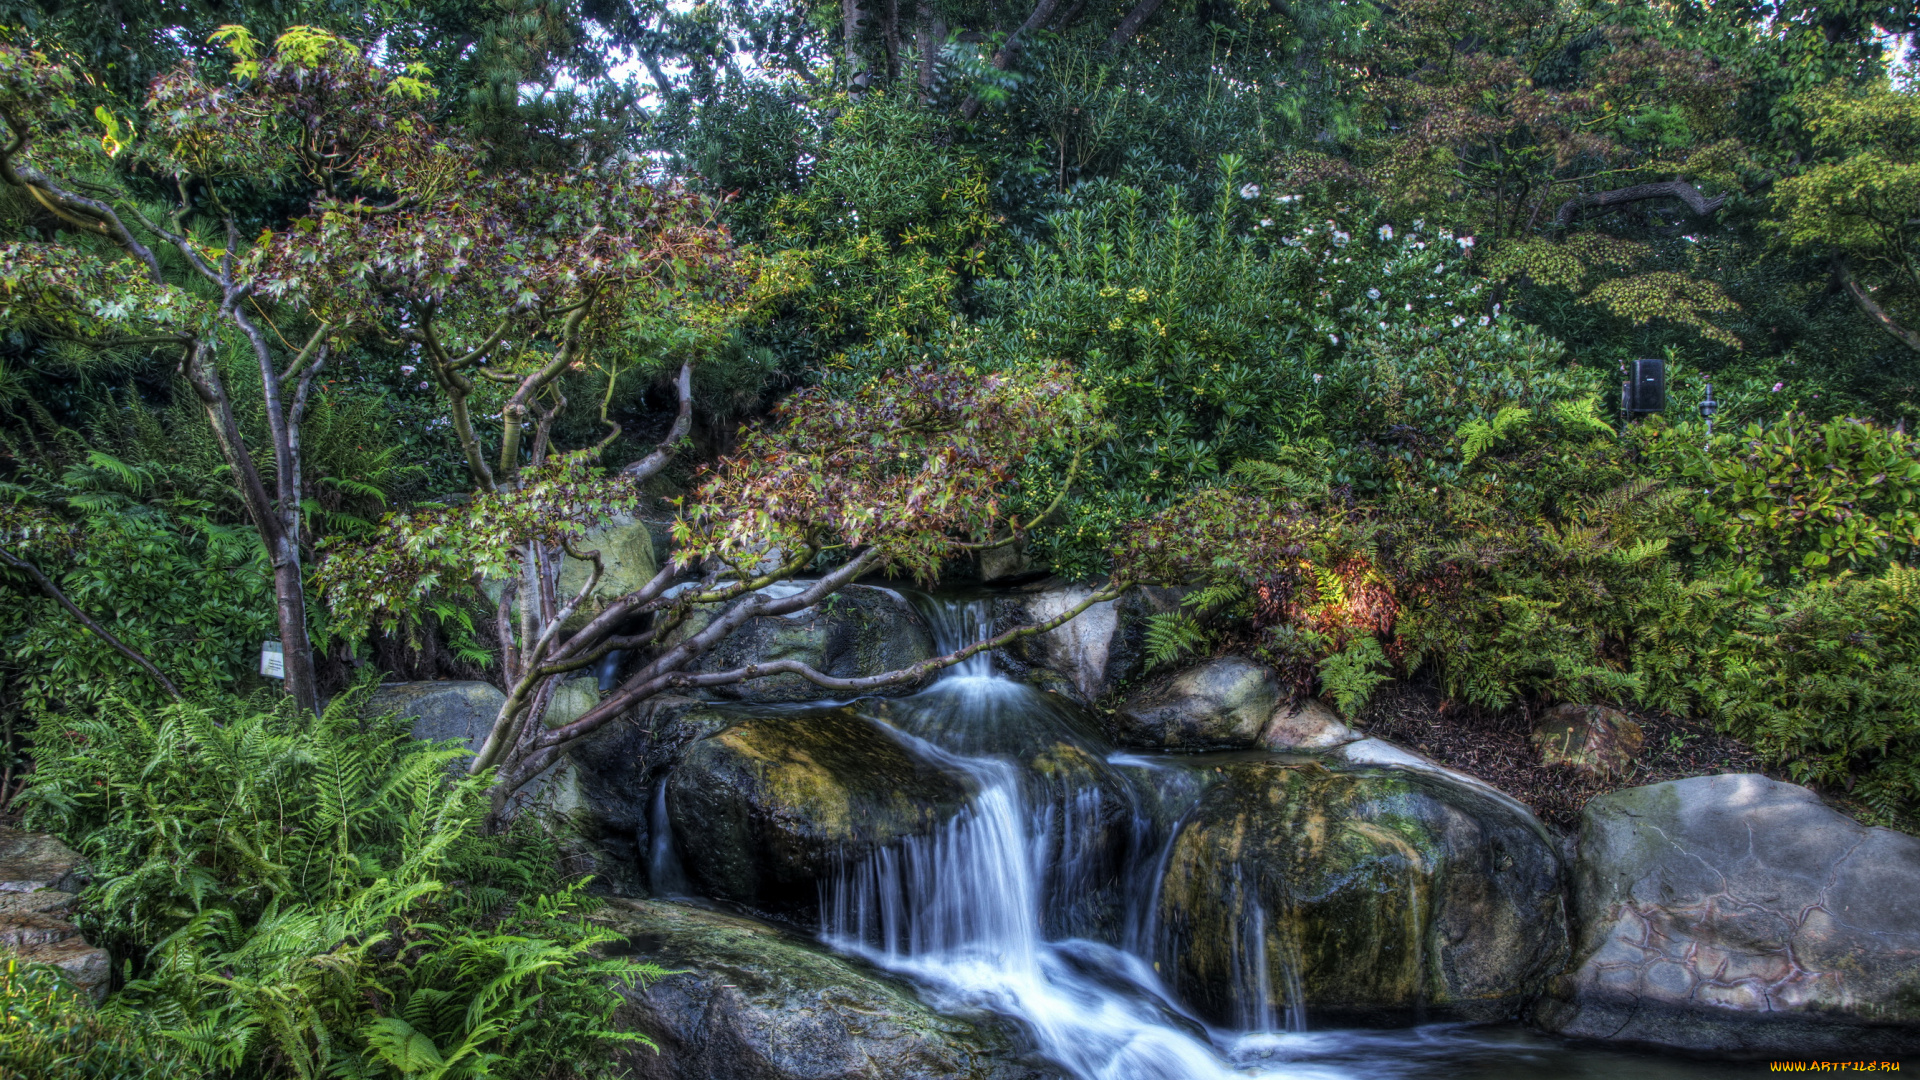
[
  {"x": 1457, "y": 320},
  {"x": 423, "y": 386},
  {"x": 1341, "y": 237},
  {"x": 1496, "y": 310},
  {"x": 1386, "y": 232},
  {"x": 1440, "y": 268},
  {"x": 1266, "y": 222},
  {"x": 1419, "y": 223},
  {"x": 1373, "y": 294},
  {"x": 1419, "y": 245},
  {"x": 1409, "y": 307},
  {"x": 1335, "y": 338},
  {"x": 1288, "y": 198},
  {"x": 1446, "y": 234},
  {"x": 406, "y": 369},
  {"x": 1383, "y": 326},
  {"x": 1250, "y": 191},
  {"x": 1484, "y": 321},
  {"x": 1466, "y": 242}
]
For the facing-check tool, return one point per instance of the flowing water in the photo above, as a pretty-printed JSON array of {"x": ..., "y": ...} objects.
[{"x": 1037, "y": 903}]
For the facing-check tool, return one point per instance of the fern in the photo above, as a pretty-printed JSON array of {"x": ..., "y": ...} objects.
[
  {"x": 313, "y": 897},
  {"x": 1477, "y": 436},
  {"x": 1351, "y": 675},
  {"x": 1172, "y": 635}
]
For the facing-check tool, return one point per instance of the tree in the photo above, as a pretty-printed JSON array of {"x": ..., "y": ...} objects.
[
  {"x": 1859, "y": 202},
  {"x": 908, "y": 472}
]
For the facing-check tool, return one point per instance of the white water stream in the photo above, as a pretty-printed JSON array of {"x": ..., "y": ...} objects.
[{"x": 963, "y": 911}]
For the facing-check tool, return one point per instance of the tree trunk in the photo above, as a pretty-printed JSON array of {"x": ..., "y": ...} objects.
[{"x": 1872, "y": 308}]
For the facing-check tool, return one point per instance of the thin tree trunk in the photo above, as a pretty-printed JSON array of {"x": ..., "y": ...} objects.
[
  {"x": 1872, "y": 308},
  {"x": 1131, "y": 25}
]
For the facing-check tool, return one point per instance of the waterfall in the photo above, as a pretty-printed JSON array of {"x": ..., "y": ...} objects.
[{"x": 963, "y": 911}]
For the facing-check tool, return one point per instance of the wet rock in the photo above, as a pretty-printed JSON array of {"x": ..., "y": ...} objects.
[
  {"x": 38, "y": 878},
  {"x": 1740, "y": 914},
  {"x": 441, "y": 709},
  {"x": 1220, "y": 704},
  {"x": 1375, "y": 896},
  {"x": 857, "y": 631},
  {"x": 617, "y": 769},
  {"x": 765, "y": 808},
  {"x": 572, "y": 699},
  {"x": 30, "y": 862},
  {"x": 1592, "y": 740},
  {"x": 1086, "y": 658},
  {"x": 757, "y": 1003},
  {"x": 1308, "y": 725}
]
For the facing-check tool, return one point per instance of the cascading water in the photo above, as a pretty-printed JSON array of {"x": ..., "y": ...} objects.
[{"x": 965, "y": 911}]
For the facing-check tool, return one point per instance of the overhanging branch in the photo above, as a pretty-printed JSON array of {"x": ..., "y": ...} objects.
[{"x": 1664, "y": 189}]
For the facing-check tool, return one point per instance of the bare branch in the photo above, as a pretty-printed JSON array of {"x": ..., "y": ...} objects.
[
  {"x": 909, "y": 674},
  {"x": 53, "y": 592},
  {"x": 1664, "y": 189},
  {"x": 1010, "y": 49},
  {"x": 663, "y": 451},
  {"x": 1873, "y": 310}
]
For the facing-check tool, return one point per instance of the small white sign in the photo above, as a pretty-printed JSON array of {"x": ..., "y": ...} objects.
[{"x": 273, "y": 661}]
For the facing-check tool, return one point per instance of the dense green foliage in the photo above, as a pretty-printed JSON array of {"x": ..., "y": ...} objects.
[
  {"x": 1316, "y": 310},
  {"x": 314, "y": 896},
  {"x": 48, "y": 1028}
]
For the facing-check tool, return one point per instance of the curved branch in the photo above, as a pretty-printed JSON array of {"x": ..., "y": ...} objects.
[
  {"x": 53, "y": 592},
  {"x": 1664, "y": 189},
  {"x": 911, "y": 673},
  {"x": 663, "y": 451},
  {"x": 1873, "y": 310},
  {"x": 1010, "y": 49}
]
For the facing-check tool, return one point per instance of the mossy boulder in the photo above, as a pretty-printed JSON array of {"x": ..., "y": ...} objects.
[
  {"x": 753, "y": 1002},
  {"x": 629, "y": 558},
  {"x": 764, "y": 808},
  {"x": 442, "y": 709},
  {"x": 1740, "y": 914},
  {"x": 1217, "y": 705},
  {"x": 1374, "y": 896},
  {"x": 856, "y": 632}
]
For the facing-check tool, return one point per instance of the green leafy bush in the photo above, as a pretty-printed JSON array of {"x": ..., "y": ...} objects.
[
  {"x": 314, "y": 897},
  {"x": 1792, "y": 497},
  {"x": 1825, "y": 680},
  {"x": 50, "y": 1029}
]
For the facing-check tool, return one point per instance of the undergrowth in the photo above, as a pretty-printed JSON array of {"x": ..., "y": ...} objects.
[{"x": 302, "y": 897}]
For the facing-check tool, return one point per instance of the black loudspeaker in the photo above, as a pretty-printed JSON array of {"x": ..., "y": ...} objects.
[{"x": 1646, "y": 389}]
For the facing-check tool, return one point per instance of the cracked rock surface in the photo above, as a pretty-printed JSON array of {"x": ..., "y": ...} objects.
[
  {"x": 1742, "y": 914},
  {"x": 39, "y": 876}
]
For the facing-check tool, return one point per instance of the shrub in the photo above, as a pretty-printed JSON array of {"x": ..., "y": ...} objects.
[
  {"x": 50, "y": 1029},
  {"x": 1793, "y": 497},
  {"x": 313, "y": 897}
]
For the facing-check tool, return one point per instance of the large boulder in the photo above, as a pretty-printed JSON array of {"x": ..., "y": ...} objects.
[
  {"x": 1221, "y": 704},
  {"x": 764, "y": 808},
  {"x": 442, "y": 709},
  {"x": 628, "y": 560},
  {"x": 1098, "y": 651},
  {"x": 857, "y": 631},
  {"x": 1372, "y": 896},
  {"x": 756, "y": 1003},
  {"x": 1741, "y": 914},
  {"x": 39, "y": 876}
]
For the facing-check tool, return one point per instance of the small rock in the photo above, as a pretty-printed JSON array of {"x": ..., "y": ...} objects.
[
  {"x": 442, "y": 709},
  {"x": 758, "y": 1003},
  {"x": 1221, "y": 704},
  {"x": 1097, "y": 650},
  {"x": 1592, "y": 740},
  {"x": 1739, "y": 914},
  {"x": 1306, "y": 725}
]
